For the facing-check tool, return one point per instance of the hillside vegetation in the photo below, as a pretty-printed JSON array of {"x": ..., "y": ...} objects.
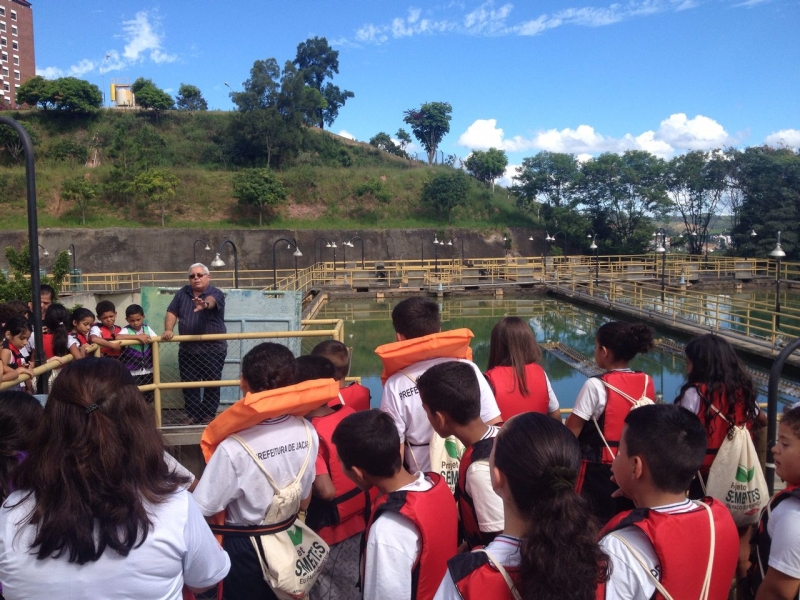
[{"x": 330, "y": 181}]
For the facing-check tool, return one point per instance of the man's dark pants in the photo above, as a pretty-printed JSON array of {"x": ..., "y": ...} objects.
[{"x": 205, "y": 365}]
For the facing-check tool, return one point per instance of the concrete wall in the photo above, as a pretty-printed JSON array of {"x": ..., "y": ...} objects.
[{"x": 141, "y": 250}]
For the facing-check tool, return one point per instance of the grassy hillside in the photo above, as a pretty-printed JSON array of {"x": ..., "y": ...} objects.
[{"x": 332, "y": 182}]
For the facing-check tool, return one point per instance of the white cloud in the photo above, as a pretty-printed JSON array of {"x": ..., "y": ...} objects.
[
  {"x": 789, "y": 138},
  {"x": 508, "y": 175},
  {"x": 346, "y": 134},
  {"x": 674, "y": 134},
  {"x": 144, "y": 40}
]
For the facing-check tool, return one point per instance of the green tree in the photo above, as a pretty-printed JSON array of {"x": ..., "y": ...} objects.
[
  {"x": 622, "y": 193},
  {"x": 429, "y": 124},
  {"x": 156, "y": 186},
  {"x": 81, "y": 191},
  {"x": 261, "y": 90},
  {"x": 548, "y": 177},
  {"x": 70, "y": 94},
  {"x": 17, "y": 286},
  {"x": 68, "y": 150},
  {"x": 151, "y": 97},
  {"x": 404, "y": 139},
  {"x": 190, "y": 98},
  {"x": 487, "y": 166},
  {"x": 383, "y": 142},
  {"x": 444, "y": 191},
  {"x": 317, "y": 61},
  {"x": 35, "y": 91},
  {"x": 259, "y": 188},
  {"x": 12, "y": 143}
]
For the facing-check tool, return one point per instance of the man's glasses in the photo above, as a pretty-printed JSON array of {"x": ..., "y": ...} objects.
[{"x": 197, "y": 275}]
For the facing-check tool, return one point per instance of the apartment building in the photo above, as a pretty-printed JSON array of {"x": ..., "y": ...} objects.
[{"x": 17, "y": 59}]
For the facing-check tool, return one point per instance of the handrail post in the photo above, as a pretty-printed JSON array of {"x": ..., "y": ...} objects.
[
  {"x": 157, "y": 381},
  {"x": 772, "y": 409}
]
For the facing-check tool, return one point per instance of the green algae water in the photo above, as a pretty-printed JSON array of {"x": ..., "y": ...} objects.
[{"x": 368, "y": 324}]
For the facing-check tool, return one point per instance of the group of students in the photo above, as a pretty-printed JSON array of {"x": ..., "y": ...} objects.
[
  {"x": 66, "y": 333},
  {"x": 463, "y": 485}
]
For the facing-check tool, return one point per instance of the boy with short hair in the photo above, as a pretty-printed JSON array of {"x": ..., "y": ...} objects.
[
  {"x": 138, "y": 358},
  {"x": 661, "y": 448},
  {"x": 354, "y": 395},
  {"x": 417, "y": 328},
  {"x": 104, "y": 332},
  {"x": 450, "y": 395},
  {"x": 413, "y": 527}
]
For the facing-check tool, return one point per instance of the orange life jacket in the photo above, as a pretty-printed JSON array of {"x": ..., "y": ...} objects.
[
  {"x": 445, "y": 344},
  {"x": 509, "y": 397},
  {"x": 682, "y": 572}
]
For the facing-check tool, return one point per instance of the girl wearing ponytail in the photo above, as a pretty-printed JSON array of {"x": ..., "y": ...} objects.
[{"x": 548, "y": 549}]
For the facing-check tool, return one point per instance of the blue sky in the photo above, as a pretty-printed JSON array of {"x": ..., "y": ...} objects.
[{"x": 572, "y": 76}]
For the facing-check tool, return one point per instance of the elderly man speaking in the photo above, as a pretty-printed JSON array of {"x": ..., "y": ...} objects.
[{"x": 200, "y": 308}]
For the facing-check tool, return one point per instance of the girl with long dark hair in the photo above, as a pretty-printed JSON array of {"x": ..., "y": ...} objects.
[
  {"x": 97, "y": 511},
  {"x": 519, "y": 383},
  {"x": 19, "y": 415},
  {"x": 57, "y": 321},
  {"x": 548, "y": 549}
]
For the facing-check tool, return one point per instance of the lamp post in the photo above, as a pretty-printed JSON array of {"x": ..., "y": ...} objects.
[
  {"x": 71, "y": 252},
  {"x": 566, "y": 246},
  {"x": 547, "y": 240},
  {"x": 661, "y": 248},
  {"x": 218, "y": 262},
  {"x": 349, "y": 243},
  {"x": 436, "y": 254},
  {"x": 778, "y": 254},
  {"x": 194, "y": 249},
  {"x": 450, "y": 243},
  {"x": 753, "y": 236},
  {"x": 45, "y": 253},
  {"x": 291, "y": 243},
  {"x": 593, "y": 247},
  {"x": 328, "y": 244}
]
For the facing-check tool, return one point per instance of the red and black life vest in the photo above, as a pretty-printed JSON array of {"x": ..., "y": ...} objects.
[
  {"x": 761, "y": 541},
  {"x": 613, "y": 418},
  {"x": 17, "y": 358},
  {"x": 682, "y": 572},
  {"x": 472, "y": 533},
  {"x": 433, "y": 512},
  {"x": 346, "y": 515},
  {"x": 475, "y": 577},
  {"x": 82, "y": 339},
  {"x": 356, "y": 396},
  {"x": 717, "y": 427},
  {"x": 509, "y": 397},
  {"x": 109, "y": 335}
]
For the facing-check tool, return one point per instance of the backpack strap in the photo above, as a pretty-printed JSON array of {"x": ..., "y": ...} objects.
[
  {"x": 504, "y": 573},
  {"x": 602, "y": 437},
  {"x": 414, "y": 381},
  {"x": 613, "y": 388},
  {"x": 640, "y": 559}
]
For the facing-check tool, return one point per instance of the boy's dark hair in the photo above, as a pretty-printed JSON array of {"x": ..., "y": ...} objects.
[
  {"x": 625, "y": 340},
  {"x": 452, "y": 388},
  {"x": 336, "y": 352},
  {"x": 133, "y": 309},
  {"x": 46, "y": 289},
  {"x": 791, "y": 418},
  {"x": 416, "y": 317},
  {"x": 313, "y": 367},
  {"x": 369, "y": 440},
  {"x": 104, "y": 306},
  {"x": 20, "y": 307},
  {"x": 268, "y": 366},
  {"x": 671, "y": 440}
]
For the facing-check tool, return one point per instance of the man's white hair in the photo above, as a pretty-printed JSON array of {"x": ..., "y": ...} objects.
[{"x": 199, "y": 266}]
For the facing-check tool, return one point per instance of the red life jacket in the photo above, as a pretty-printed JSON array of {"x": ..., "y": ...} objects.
[
  {"x": 433, "y": 512},
  {"x": 466, "y": 506},
  {"x": 345, "y": 515},
  {"x": 475, "y": 577},
  {"x": 82, "y": 339},
  {"x": 356, "y": 396},
  {"x": 613, "y": 417},
  {"x": 717, "y": 428},
  {"x": 109, "y": 335},
  {"x": 47, "y": 344},
  {"x": 682, "y": 571},
  {"x": 761, "y": 541},
  {"x": 508, "y": 395},
  {"x": 17, "y": 359}
]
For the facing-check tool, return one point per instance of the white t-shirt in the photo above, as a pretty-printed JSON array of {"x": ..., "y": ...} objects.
[
  {"x": 504, "y": 548},
  {"x": 232, "y": 479},
  {"x": 72, "y": 340},
  {"x": 392, "y": 549},
  {"x": 488, "y": 505},
  {"x": 628, "y": 580},
  {"x": 401, "y": 401},
  {"x": 783, "y": 528},
  {"x": 179, "y": 548},
  {"x": 692, "y": 401},
  {"x": 591, "y": 400},
  {"x": 178, "y": 468}
]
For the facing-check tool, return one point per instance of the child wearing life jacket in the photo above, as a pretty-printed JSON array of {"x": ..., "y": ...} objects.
[
  {"x": 54, "y": 341},
  {"x": 775, "y": 557},
  {"x": 668, "y": 545},
  {"x": 452, "y": 400},
  {"x": 16, "y": 332},
  {"x": 548, "y": 548},
  {"x": 721, "y": 393},
  {"x": 355, "y": 395},
  {"x": 138, "y": 358},
  {"x": 234, "y": 482},
  {"x": 413, "y": 527},
  {"x": 519, "y": 383},
  {"x": 601, "y": 407},
  {"x": 418, "y": 332},
  {"x": 104, "y": 332},
  {"x": 82, "y": 320},
  {"x": 339, "y": 508}
]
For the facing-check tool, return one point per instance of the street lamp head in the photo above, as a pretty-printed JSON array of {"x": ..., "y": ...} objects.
[
  {"x": 69, "y": 252},
  {"x": 297, "y": 253},
  {"x": 593, "y": 246},
  {"x": 530, "y": 239},
  {"x": 207, "y": 246},
  {"x": 660, "y": 249},
  {"x": 217, "y": 262},
  {"x": 327, "y": 245},
  {"x": 435, "y": 239},
  {"x": 333, "y": 244},
  {"x": 753, "y": 233},
  {"x": 588, "y": 236}
]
